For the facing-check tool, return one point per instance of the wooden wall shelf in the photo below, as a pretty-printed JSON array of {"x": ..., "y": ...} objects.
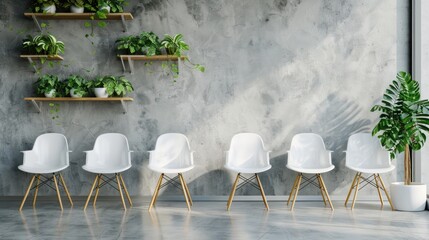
[
  {"x": 31, "y": 59},
  {"x": 37, "y": 101},
  {"x": 131, "y": 58},
  {"x": 78, "y": 16}
]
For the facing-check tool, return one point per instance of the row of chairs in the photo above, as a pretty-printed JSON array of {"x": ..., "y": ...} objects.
[{"x": 172, "y": 155}]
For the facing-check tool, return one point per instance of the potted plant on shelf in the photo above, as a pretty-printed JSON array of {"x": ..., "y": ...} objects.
[
  {"x": 147, "y": 43},
  {"x": 76, "y": 6},
  {"x": 43, "y": 44},
  {"x": 76, "y": 86},
  {"x": 176, "y": 46},
  {"x": 129, "y": 44},
  {"x": 110, "y": 86},
  {"x": 403, "y": 126},
  {"x": 45, "y": 6},
  {"x": 48, "y": 85}
]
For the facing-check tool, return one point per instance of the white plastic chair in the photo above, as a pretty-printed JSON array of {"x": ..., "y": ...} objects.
[
  {"x": 172, "y": 155},
  {"x": 365, "y": 155},
  {"x": 50, "y": 155},
  {"x": 247, "y": 155},
  {"x": 308, "y": 155},
  {"x": 111, "y": 155}
]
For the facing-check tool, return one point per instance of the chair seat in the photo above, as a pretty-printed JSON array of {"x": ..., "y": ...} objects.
[
  {"x": 169, "y": 170},
  {"x": 248, "y": 170},
  {"x": 372, "y": 170},
  {"x": 40, "y": 170},
  {"x": 105, "y": 170},
  {"x": 311, "y": 170}
]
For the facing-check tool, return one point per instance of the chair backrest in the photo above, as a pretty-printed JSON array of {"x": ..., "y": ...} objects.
[
  {"x": 52, "y": 150},
  {"x": 172, "y": 151},
  {"x": 365, "y": 151},
  {"x": 247, "y": 150},
  {"x": 308, "y": 151},
  {"x": 112, "y": 150}
]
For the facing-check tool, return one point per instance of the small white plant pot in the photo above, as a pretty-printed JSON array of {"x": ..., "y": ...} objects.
[
  {"x": 49, "y": 9},
  {"x": 410, "y": 198},
  {"x": 50, "y": 94},
  {"x": 107, "y": 8},
  {"x": 75, "y": 9},
  {"x": 74, "y": 95},
  {"x": 101, "y": 93}
]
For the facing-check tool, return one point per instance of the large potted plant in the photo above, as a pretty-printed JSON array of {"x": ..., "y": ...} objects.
[
  {"x": 45, "y": 6},
  {"x": 45, "y": 44},
  {"x": 76, "y": 86},
  {"x": 402, "y": 128}
]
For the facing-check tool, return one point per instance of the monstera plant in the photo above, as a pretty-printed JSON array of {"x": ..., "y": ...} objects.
[{"x": 403, "y": 126}]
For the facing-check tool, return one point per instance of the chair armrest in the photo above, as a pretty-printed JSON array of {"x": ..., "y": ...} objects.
[
  {"x": 90, "y": 155},
  {"x": 329, "y": 156},
  {"x": 151, "y": 155},
  {"x": 192, "y": 158},
  {"x": 268, "y": 157},
  {"x": 29, "y": 155},
  {"x": 226, "y": 157}
]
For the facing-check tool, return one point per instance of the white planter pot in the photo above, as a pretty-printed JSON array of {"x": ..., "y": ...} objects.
[
  {"x": 75, "y": 9},
  {"x": 107, "y": 8},
  {"x": 49, "y": 9},
  {"x": 410, "y": 198},
  {"x": 50, "y": 94},
  {"x": 73, "y": 95},
  {"x": 100, "y": 92}
]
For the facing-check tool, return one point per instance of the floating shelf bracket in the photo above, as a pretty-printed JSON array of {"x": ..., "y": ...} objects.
[
  {"x": 32, "y": 64},
  {"x": 124, "y": 25},
  {"x": 124, "y": 106},
  {"x": 36, "y": 22},
  {"x": 38, "y": 106}
]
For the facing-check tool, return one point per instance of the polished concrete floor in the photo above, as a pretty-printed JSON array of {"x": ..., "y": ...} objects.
[{"x": 208, "y": 220}]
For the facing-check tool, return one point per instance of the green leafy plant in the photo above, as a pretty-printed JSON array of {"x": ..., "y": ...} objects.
[
  {"x": 131, "y": 44},
  {"x": 115, "y": 86},
  {"x": 404, "y": 119},
  {"x": 146, "y": 43},
  {"x": 150, "y": 43},
  {"x": 37, "y": 5},
  {"x": 76, "y": 3},
  {"x": 177, "y": 46},
  {"x": 45, "y": 44},
  {"x": 46, "y": 83},
  {"x": 78, "y": 84}
]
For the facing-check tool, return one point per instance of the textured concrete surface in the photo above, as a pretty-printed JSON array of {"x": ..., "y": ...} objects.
[
  {"x": 274, "y": 67},
  {"x": 209, "y": 220}
]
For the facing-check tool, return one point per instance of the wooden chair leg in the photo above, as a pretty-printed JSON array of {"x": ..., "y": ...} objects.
[
  {"x": 126, "y": 190},
  {"x": 184, "y": 191},
  {"x": 296, "y": 191},
  {"x": 97, "y": 190},
  {"x": 37, "y": 190},
  {"x": 26, "y": 192},
  {"x": 155, "y": 193},
  {"x": 292, "y": 190},
  {"x": 187, "y": 191},
  {"x": 231, "y": 195},
  {"x": 378, "y": 190},
  {"x": 326, "y": 192},
  {"x": 262, "y": 191},
  {"x": 58, "y": 191},
  {"x": 350, "y": 190},
  {"x": 321, "y": 188},
  {"x": 356, "y": 190},
  {"x": 385, "y": 192},
  {"x": 66, "y": 189},
  {"x": 90, "y": 192},
  {"x": 120, "y": 191}
]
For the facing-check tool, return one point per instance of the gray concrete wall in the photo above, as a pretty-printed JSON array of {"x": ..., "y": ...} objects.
[{"x": 274, "y": 67}]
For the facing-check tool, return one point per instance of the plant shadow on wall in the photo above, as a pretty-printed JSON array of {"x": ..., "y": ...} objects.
[{"x": 336, "y": 119}]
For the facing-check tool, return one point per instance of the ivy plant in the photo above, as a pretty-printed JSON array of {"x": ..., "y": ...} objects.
[
  {"x": 37, "y": 5},
  {"x": 46, "y": 83},
  {"x": 78, "y": 83}
]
